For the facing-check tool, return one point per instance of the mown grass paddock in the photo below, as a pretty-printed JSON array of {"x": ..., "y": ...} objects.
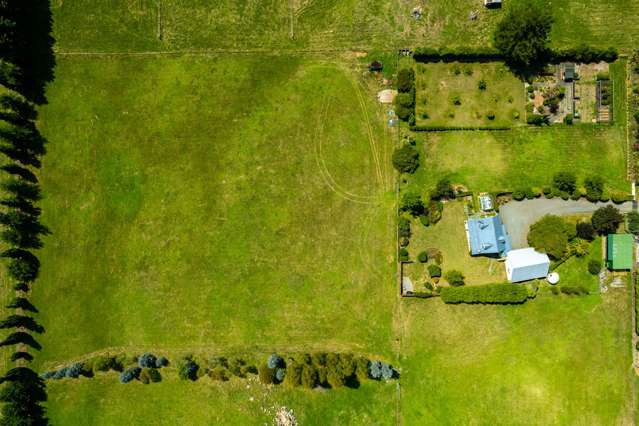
[
  {"x": 448, "y": 95},
  {"x": 249, "y": 214}
]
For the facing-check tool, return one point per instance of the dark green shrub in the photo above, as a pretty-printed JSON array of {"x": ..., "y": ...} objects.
[
  {"x": 404, "y": 227},
  {"x": 187, "y": 368},
  {"x": 412, "y": 203},
  {"x": 425, "y": 220},
  {"x": 594, "y": 266},
  {"x": 405, "y": 80},
  {"x": 443, "y": 190},
  {"x": 585, "y": 231},
  {"x": 633, "y": 222},
  {"x": 422, "y": 257},
  {"x": 565, "y": 182},
  {"x": 403, "y": 242},
  {"x": 309, "y": 376},
  {"x": 130, "y": 374},
  {"x": 619, "y": 197},
  {"x": 454, "y": 278},
  {"x": 551, "y": 235},
  {"x": 486, "y": 294},
  {"x": 482, "y": 84},
  {"x": 519, "y": 194},
  {"x": 594, "y": 188},
  {"x": 434, "y": 271},
  {"x": 403, "y": 255},
  {"x": 606, "y": 220},
  {"x": 568, "y": 119},
  {"x": 406, "y": 159}
]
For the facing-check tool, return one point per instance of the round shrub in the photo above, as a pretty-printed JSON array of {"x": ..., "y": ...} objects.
[
  {"x": 403, "y": 242},
  {"x": 403, "y": 255},
  {"x": 161, "y": 362},
  {"x": 422, "y": 257},
  {"x": 551, "y": 235},
  {"x": 519, "y": 194},
  {"x": 482, "y": 84},
  {"x": 388, "y": 372},
  {"x": 406, "y": 159},
  {"x": 576, "y": 196},
  {"x": 490, "y": 115},
  {"x": 275, "y": 361},
  {"x": 187, "y": 369},
  {"x": 585, "y": 231},
  {"x": 454, "y": 278},
  {"x": 147, "y": 360},
  {"x": 606, "y": 220},
  {"x": 375, "y": 370},
  {"x": 594, "y": 266},
  {"x": 619, "y": 197},
  {"x": 130, "y": 374},
  {"x": 425, "y": 220},
  {"x": 434, "y": 271}
]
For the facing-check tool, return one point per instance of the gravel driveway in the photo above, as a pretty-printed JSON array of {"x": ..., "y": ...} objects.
[{"x": 519, "y": 215}]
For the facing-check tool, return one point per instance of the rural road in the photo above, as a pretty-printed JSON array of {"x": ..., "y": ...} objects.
[{"x": 519, "y": 215}]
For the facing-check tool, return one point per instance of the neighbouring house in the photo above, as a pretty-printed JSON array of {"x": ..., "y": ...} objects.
[
  {"x": 408, "y": 289},
  {"x": 376, "y": 66},
  {"x": 526, "y": 264},
  {"x": 619, "y": 252},
  {"x": 487, "y": 236},
  {"x": 568, "y": 71},
  {"x": 492, "y": 3}
]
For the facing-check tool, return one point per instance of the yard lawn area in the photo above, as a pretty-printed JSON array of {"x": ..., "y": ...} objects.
[
  {"x": 104, "y": 401},
  {"x": 192, "y": 214},
  {"x": 449, "y": 236},
  {"x": 554, "y": 360},
  {"x": 520, "y": 158},
  {"x": 574, "y": 271},
  {"x": 440, "y": 84}
]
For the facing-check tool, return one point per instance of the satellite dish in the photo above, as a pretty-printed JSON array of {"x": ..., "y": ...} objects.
[{"x": 553, "y": 278}]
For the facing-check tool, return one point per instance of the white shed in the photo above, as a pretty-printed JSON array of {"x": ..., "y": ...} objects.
[{"x": 526, "y": 264}]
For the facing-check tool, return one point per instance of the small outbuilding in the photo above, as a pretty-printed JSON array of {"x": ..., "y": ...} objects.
[
  {"x": 487, "y": 236},
  {"x": 568, "y": 71},
  {"x": 486, "y": 202},
  {"x": 408, "y": 289},
  {"x": 526, "y": 264},
  {"x": 492, "y": 3},
  {"x": 619, "y": 252}
]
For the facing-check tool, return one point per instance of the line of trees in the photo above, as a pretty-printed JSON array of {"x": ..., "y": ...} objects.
[{"x": 26, "y": 64}]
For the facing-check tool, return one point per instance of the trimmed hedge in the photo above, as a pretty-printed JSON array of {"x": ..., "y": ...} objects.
[
  {"x": 582, "y": 54},
  {"x": 506, "y": 293}
]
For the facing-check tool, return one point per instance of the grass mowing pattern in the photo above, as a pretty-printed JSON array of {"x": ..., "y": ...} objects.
[{"x": 198, "y": 213}]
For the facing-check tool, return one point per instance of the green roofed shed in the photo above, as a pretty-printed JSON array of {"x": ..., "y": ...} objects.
[{"x": 619, "y": 252}]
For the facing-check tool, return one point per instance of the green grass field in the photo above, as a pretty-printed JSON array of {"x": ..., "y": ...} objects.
[
  {"x": 201, "y": 214},
  {"x": 507, "y": 160},
  {"x": 440, "y": 85},
  {"x": 143, "y": 25},
  {"x": 554, "y": 360}
]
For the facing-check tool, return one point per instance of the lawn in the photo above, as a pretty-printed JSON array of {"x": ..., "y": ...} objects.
[
  {"x": 142, "y": 25},
  {"x": 519, "y": 158},
  {"x": 449, "y": 236},
  {"x": 557, "y": 360},
  {"x": 103, "y": 401},
  {"x": 448, "y": 95},
  {"x": 192, "y": 214}
]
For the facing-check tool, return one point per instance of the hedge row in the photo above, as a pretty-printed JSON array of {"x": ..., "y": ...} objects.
[
  {"x": 582, "y": 54},
  {"x": 486, "y": 294}
]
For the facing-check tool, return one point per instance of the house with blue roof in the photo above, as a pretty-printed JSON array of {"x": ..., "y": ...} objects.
[{"x": 487, "y": 236}]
